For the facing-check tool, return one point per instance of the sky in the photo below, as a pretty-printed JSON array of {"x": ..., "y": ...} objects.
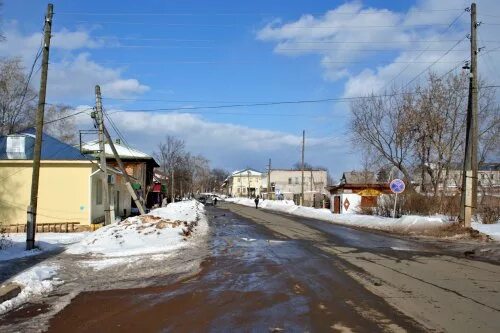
[{"x": 160, "y": 64}]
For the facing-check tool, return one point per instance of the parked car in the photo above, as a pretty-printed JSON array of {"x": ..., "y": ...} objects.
[{"x": 209, "y": 201}]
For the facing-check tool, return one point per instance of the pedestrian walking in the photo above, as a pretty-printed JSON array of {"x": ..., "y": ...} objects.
[
  {"x": 256, "y": 202},
  {"x": 215, "y": 201}
]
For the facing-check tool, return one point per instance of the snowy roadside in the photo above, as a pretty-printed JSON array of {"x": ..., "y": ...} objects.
[
  {"x": 405, "y": 224},
  {"x": 136, "y": 240}
]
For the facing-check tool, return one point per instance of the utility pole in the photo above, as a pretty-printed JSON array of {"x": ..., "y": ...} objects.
[
  {"x": 128, "y": 183},
  {"x": 303, "y": 146},
  {"x": 172, "y": 196},
  {"x": 32, "y": 208},
  {"x": 269, "y": 196},
  {"x": 102, "y": 155},
  {"x": 469, "y": 175}
]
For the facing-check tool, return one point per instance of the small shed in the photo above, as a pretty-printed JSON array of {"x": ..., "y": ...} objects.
[{"x": 356, "y": 190}]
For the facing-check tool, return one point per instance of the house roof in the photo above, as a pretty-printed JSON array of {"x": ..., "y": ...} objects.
[
  {"x": 124, "y": 151},
  {"x": 358, "y": 177},
  {"x": 52, "y": 148},
  {"x": 245, "y": 172}
]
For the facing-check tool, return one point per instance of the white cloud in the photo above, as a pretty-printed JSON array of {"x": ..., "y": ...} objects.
[
  {"x": 337, "y": 37},
  {"x": 72, "y": 72},
  {"x": 228, "y": 145},
  {"x": 79, "y": 75}
]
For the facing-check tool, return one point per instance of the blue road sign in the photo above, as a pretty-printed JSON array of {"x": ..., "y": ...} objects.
[{"x": 397, "y": 186}]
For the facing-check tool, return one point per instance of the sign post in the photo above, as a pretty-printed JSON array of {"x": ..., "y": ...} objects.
[{"x": 397, "y": 186}]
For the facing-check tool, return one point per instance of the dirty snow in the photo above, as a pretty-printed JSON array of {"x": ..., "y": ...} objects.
[
  {"x": 404, "y": 224},
  {"x": 492, "y": 230},
  {"x": 36, "y": 281},
  {"x": 50, "y": 241},
  {"x": 163, "y": 229}
]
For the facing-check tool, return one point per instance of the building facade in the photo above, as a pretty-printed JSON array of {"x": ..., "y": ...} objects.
[
  {"x": 288, "y": 184},
  {"x": 70, "y": 186},
  {"x": 243, "y": 183},
  {"x": 356, "y": 191}
]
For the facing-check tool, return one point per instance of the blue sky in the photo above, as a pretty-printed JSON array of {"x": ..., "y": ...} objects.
[{"x": 150, "y": 55}]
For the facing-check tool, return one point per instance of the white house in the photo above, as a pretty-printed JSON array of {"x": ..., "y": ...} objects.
[{"x": 243, "y": 183}]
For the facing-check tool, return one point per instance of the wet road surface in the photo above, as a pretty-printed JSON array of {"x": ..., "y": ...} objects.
[{"x": 266, "y": 272}]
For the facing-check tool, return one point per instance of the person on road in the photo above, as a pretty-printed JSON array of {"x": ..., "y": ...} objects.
[
  {"x": 215, "y": 201},
  {"x": 256, "y": 202}
]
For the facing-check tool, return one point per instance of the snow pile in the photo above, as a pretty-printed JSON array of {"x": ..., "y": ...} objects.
[
  {"x": 36, "y": 281},
  {"x": 163, "y": 229},
  {"x": 406, "y": 223},
  {"x": 50, "y": 241},
  {"x": 492, "y": 230}
]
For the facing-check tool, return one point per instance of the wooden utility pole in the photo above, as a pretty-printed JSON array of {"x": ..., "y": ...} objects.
[
  {"x": 102, "y": 155},
  {"x": 172, "y": 196},
  {"x": 269, "y": 195},
  {"x": 469, "y": 175},
  {"x": 32, "y": 208},
  {"x": 128, "y": 182},
  {"x": 303, "y": 146}
]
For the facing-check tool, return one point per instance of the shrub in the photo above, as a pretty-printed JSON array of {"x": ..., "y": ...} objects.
[{"x": 5, "y": 241}]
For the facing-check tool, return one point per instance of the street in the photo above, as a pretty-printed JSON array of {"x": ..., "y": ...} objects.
[{"x": 268, "y": 272}]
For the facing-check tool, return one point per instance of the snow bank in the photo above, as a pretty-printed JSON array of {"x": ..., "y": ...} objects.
[
  {"x": 492, "y": 230},
  {"x": 163, "y": 229},
  {"x": 36, "y": 281},
  {"x": 404, "y": 224},
  {"x": 16, "y": 247}
]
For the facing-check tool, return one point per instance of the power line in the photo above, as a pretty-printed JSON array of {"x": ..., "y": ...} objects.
[
  {"x": 190, "y": 13},
  {"x": 423, "y": 51},
  {"x": 432, "y": 64},
  {"x": 340, "y": 99},
  {"x": 165, "y": 23}
]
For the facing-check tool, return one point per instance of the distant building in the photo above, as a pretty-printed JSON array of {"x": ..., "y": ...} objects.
[
  {"x": 70, "y": 186},
  {"x": 288, "y": 183},
  {"x": 488, "y": 180},
  {"x": 356, "y": 190},
  {"x": 243, "y": 183}
]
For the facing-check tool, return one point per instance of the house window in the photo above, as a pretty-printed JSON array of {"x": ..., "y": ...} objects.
[
  {"x": 296, "y": 180},
  {"x": 289, "y": 181},
  {"x": 98, "y": 194}
]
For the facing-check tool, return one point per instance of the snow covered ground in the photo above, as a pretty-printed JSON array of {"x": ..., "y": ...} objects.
[
  {"x": 36, "y": 281},
  {"x": 122, "y": 245},
  {"x": 407, "y": 223},
  {"x": 50, "y": 241},
  {"x": 493, "y": 230},
  {"x": 163, "y": 229}
]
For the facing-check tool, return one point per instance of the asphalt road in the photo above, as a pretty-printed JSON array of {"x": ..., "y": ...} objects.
[{"x": 265, "y": 272}]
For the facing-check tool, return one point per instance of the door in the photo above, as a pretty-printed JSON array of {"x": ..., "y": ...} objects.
[
  {"x": 117, "y": 204},
  {"x": 336, "y": 204}
]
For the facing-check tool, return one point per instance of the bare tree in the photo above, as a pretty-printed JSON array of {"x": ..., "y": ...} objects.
[
  {"x": 60, "y": 124},
  {"x": 424, "y": 131},
  {"x": 17, "y": 98},
  {"x": 382, "y": 123},
  {"x": 169, "y": 154}
]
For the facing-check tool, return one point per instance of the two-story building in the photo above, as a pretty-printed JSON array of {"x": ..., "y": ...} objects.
[
  {"x": 243, "y": 183},
  {"x": 287, "y": 183}
]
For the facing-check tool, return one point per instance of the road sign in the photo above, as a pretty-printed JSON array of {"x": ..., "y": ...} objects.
[{"x": 397, "y": 186}]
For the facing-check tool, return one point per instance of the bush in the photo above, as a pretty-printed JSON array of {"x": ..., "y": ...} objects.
[
  {"x": 412, "y": 203},
  {"x": 489, "y": 215},
  {"x": 5, "y": 241}
]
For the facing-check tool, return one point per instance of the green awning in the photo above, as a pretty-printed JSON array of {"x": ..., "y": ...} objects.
[
  {"x": 164, "y": 188},
  {"x": 136, "y": 186}
]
